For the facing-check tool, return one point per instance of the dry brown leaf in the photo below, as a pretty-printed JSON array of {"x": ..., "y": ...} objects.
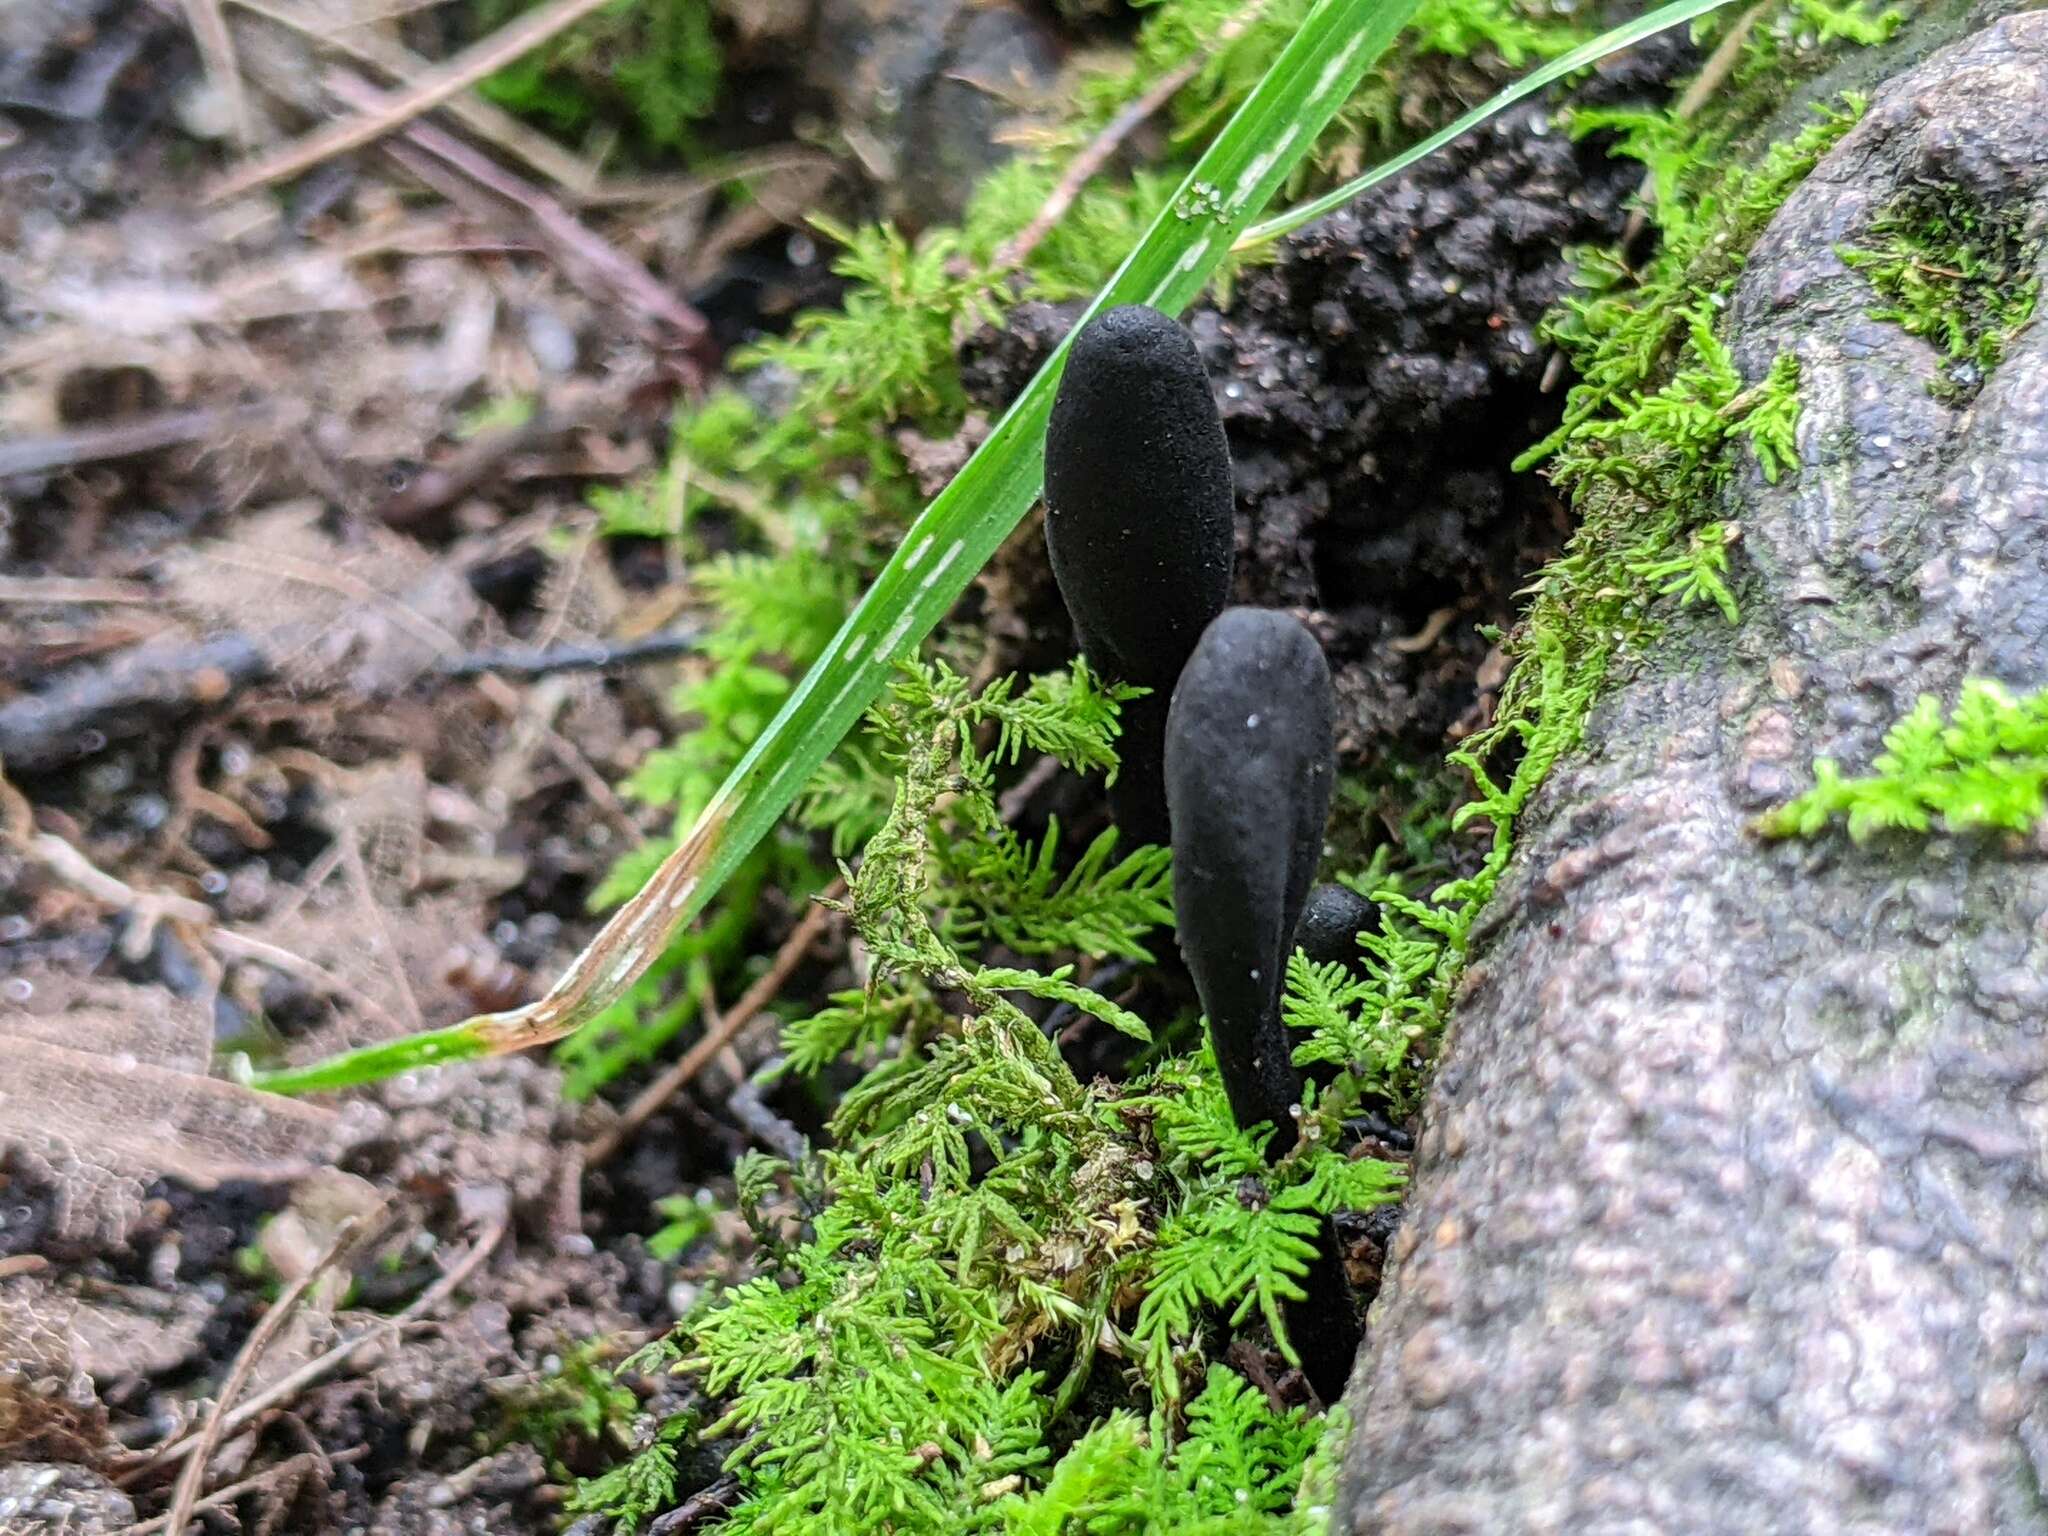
[
  {"x": 48, "y": 1409},
  {"x": 383, "y": 809},
  {"x": 370, "y": 612},
  {"x": 106, "y": 1092}
]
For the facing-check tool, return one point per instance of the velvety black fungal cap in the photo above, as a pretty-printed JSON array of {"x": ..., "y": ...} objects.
[
  {"x": 1331, "y": 920},
  {"x": 1249, "y": 765},
  {"x": 1137, "y": 495},
  {"x": 1138, "y": 522}
]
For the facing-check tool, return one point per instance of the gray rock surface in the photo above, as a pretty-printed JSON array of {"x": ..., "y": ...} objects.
[{"x": 1731, "y": 1209}]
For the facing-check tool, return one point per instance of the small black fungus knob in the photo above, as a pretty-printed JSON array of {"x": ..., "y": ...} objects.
[
  {"x": 1249, "y": 763},
  {"x": 1331, "y": 920},
  {"x": 1137, "y": 522}
]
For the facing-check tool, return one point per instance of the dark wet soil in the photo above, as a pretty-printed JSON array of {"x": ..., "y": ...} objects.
[{"x": 1376, "y": 381}]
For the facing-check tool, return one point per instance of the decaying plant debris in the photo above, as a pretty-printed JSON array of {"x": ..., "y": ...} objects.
[
  {"x": 394, "y": 548},
  {"x": 306, "y": 730}
]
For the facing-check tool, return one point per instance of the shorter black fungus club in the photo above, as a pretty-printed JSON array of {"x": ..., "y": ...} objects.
[
  {"x": 1250, "y": 760},
  {"x": 1249, "y": 765},
  {"x": 1138, "y": 525},
  {"x": 1332, "y": 919}
]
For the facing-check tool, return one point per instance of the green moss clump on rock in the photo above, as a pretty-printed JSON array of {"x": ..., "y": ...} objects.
[
  {"x": 1962, "y": 275},
  {"x": 1981, "y": 767}
]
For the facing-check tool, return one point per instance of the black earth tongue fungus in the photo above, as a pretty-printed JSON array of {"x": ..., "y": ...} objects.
[
  {"x": 1138, "y": 525},
  {"x": 1331, "y": 920},
  {"x": 1249, "y": 764},
  {"x": 1250, "y": 758}
]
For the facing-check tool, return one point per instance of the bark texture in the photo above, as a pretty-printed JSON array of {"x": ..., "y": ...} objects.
[{"x": 1731, "y": 1211}]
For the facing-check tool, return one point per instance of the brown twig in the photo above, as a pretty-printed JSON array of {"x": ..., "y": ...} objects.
[
  {"x": 340, "y": 1355},
  {"x": 572, "y": 239},
  {"x": 124, "y": 439},
  {"x": 17, "y": 816},
  {"x": 1712, "y": 76},
  {"x": 660, "y": 191},
  {"x": 73, "y": 589},
  {"x": 80, "y": 710},
  {"x": 750, "y": 1108},
  {"x": 549, "y": 697},
  {"x": 372, "y": 49},
  {"x": 528, "y": 662},
  {"x": 194, "y": 1473},
  {"x": 217, "y": 49},
  {"x": 719, "y": 1497},
  {"x": 267, "y": 290},
  {"x": 1089, "y": 162},
  {"x": 484, "y": 57},
  {"x": 393, "y": 12},
  {"x": 657, "y": 1093},
  {"x": 1720, "y": 63},
  {"x": 746, "y": 1102},
  {"x": 152, "y": 907},
  {"x": 305, "y": 1461},
  {"x": 1012, "y": 802}
]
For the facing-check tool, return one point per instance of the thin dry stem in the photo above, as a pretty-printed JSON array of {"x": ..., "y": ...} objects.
[
  {"x": 752, "y": 1001},
  {"x": 187, "y": 1495},
  {"x": 340, "y": 1355},
  {"x": 152, "y": 907},
  {"x": 305, "y": 1461},
  {"x": 570, "y": 237},
  {"x": 365, "y": 45},
  {"x": 73, "y": 589},
  {"x": 484, "y": 57},
  {"x": 1712, "y": 76},
  {"x": 217, "y": 49},
  {"x": 1089, "y": 162}
]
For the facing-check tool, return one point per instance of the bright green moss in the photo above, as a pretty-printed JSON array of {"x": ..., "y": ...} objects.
[
  {"x": 1982, "y": 767},
  {"x": 990, "y": 1241},
  {"x": 1961, "y": 275},
  {"x": 655, "y": 63}
]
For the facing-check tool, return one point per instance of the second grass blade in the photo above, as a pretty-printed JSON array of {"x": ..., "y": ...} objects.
[{"x": 1676, "y": 14}]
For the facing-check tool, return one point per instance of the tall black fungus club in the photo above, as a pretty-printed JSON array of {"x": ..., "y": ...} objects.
[
  {"x": 1249, "y": 764},
  {"x": 1137, "y": 521}
]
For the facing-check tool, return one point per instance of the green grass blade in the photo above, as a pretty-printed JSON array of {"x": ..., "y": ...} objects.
[
  {"x": 370, "y": 1063},
  {"x": 949, "y": 543},
  {"x": 1663, "y": 19}
]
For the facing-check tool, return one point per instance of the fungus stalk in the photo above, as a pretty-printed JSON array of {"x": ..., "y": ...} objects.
[{"x": 1249, "y": 764}]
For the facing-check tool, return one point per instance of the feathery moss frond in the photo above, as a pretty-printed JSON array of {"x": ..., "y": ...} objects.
[
  {"x": 980, "y": 1210},
  {"x": 1982, "y": 768}
]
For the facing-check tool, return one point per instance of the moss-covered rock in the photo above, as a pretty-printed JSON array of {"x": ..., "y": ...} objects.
[{"x": 1726, "y": 1213}]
